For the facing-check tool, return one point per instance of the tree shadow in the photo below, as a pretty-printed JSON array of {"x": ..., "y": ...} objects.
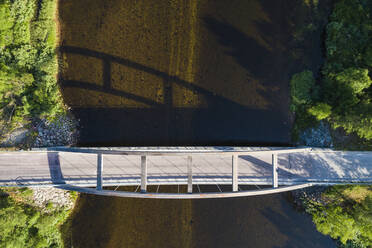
[
  {"x": 265, "y": 168},
  {"x": 301, "y": 232},
  {"x": 246, "y": 51},
  {"x": 287, "y": 40}
]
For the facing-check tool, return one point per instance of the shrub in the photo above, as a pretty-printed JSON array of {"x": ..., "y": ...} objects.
[
  {"x": 346, "y": 85},
  {"x": 301, "y": 87},
  {"x": 346, "y": 216},
  {"x": 6, "y": 24},
  {"x": 355, "y": 78},
  {"x": 320, "y": 111},
  {"x": 24, "y": 226},
  {"x": 28, "y": 61}
]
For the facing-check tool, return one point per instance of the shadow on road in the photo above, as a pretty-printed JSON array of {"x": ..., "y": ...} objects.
[{"x": 55, "y": 168}]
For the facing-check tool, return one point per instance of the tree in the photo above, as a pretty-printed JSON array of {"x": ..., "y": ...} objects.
[
  {"x": 302, "y": 85},
  {"x": 320, "y": 111}
]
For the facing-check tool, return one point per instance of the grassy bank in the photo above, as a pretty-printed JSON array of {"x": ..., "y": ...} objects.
[
  {"x": 28, "y": 63},
  {"x": 342, "y": 93},
  {"x": 24, "y": 224}
]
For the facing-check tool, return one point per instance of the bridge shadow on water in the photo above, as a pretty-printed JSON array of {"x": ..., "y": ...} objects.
[
  {"x": 223, "y": 122},
  {"x": 222, "y": 74}
]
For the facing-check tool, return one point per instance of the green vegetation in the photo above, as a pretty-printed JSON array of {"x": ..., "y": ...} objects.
[
  {"x": 342, "y": 96},
  {"x": 28, "y": 62},
  {"x": 303, "y": 91},
  {"x": 345, "y": 91},
  {"x": 320, "y": 111},
  {"x": 302, "y": 85},
  {"x": 345, "y": 214},
  {"x": 24, "y": 225}
]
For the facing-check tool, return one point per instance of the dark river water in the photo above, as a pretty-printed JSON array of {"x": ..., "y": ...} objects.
[
  {"x": 183, "y": 72},
  {"x": 261, "y": 221},
  {"x": 141, "y": 73}
]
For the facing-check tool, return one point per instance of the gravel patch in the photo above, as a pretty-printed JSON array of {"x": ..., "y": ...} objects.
[
  {"x": 319, "y": 136},
  {"x": 59, "y": 197},
  {"x": 61, "y": 131},
  {"x": 313, "y": 194}
]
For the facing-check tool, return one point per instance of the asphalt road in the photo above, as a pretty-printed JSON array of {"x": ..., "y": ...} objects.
[{"x": 80, "y": 169}]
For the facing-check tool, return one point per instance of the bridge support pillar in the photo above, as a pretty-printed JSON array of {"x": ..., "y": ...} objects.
[
  {"x": 235, "y": 173},
  {"x": 275, "y": 169},
  {"x": 189, "y": 174},
  {"x": 99, "y": 171},
  {"x": 143, "y": 173}
]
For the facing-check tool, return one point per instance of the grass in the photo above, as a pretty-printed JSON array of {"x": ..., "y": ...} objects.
[{"x": 357, "y": 193}]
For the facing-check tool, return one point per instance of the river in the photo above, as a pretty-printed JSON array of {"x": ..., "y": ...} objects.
[
  {"x": 260, "y": 221},
  {"x": 143, "y": 73},
  {"x": 140, "y": 73}
]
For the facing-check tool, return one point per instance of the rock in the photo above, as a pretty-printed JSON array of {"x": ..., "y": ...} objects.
[
  {"x": 60, "y": 131},
  {"x": 319, "y": 136},
  {"x": 16, "y": 137},
  {"x": 59, "y": 197}
]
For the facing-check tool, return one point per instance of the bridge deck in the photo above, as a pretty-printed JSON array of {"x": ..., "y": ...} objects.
[{"x": 80, "y": 169}]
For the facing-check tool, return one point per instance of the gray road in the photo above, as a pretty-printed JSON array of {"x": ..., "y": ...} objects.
[{"x": 80, "y": 169}]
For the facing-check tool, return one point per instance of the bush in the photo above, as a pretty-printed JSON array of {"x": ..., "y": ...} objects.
[
  {"x": 320, "y": 111},
  {"x": 24, "y": 226},
  {"x": 346, "y": 84},
  {"x": 355, "y": 78},
  {"x": 346, "y": 216},
  {"x": 302, "y": 85},
  {"x": 28, "y": 62}
]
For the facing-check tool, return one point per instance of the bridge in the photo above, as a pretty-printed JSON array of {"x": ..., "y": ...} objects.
[{"x": 146, "y": 169}]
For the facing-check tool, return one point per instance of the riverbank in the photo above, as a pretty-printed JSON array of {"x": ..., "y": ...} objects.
[
  {"x": 31, "y": 103},
  {"x": 342, "y": 212},
  {"x": 33, "y": 217},
  {"x": 339, "y": 94},
  {"x": 333, "y": 109},
  {"x": 32, "y": 114}
]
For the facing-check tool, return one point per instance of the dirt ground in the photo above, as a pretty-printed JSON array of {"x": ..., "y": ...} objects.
[{"x": 183, "y": 72}]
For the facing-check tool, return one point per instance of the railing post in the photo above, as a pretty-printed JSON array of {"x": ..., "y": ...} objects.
[
  {"x": 275, "y": 169},
  {"x": 189, "y": 174},
  {"x": 99, "y": 171},
  {"x": 235, "y": 173},
  {"x": 143, "y": 173}
]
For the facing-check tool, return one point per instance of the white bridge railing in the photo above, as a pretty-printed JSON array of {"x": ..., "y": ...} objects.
[{"x": 190, "y": 154}]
